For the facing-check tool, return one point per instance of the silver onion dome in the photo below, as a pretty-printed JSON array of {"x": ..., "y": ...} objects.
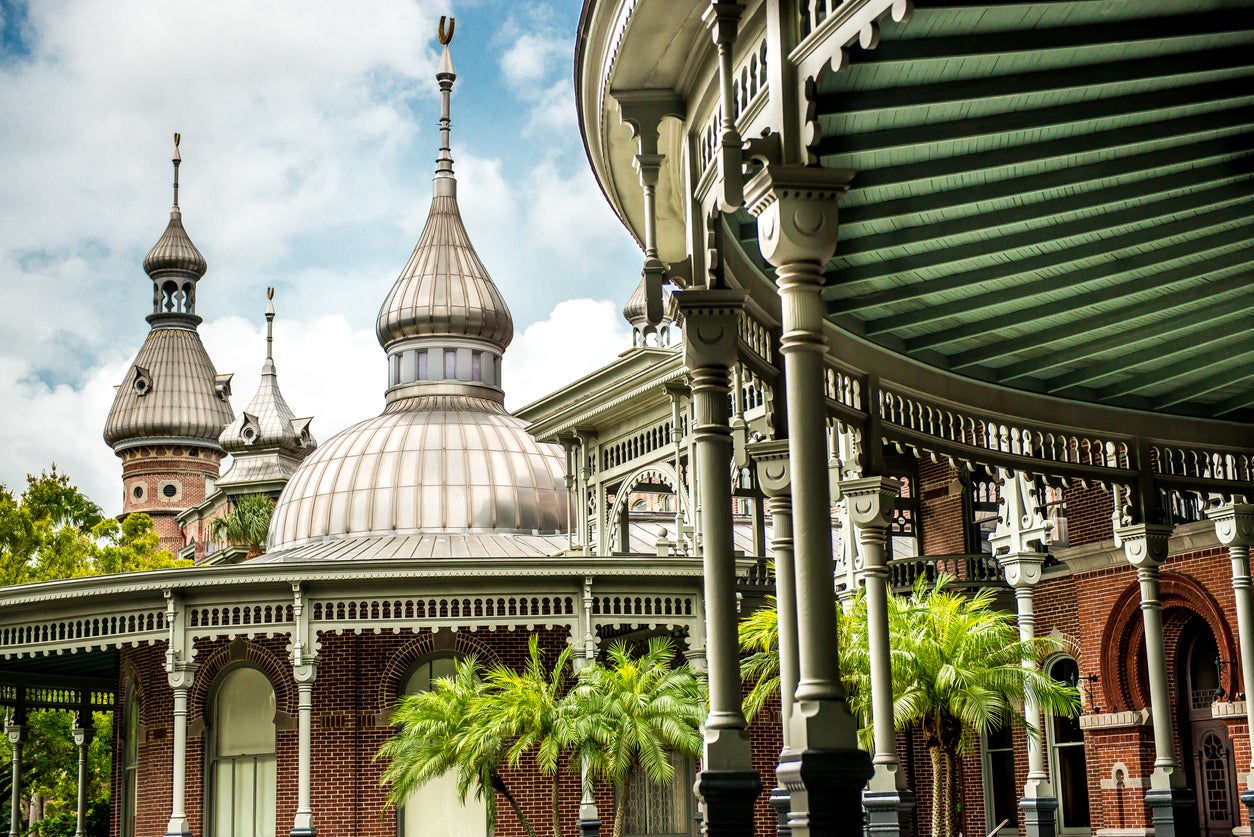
[
  {"x": 171, "y": 393},
  {"x": 445, "y": 456}
]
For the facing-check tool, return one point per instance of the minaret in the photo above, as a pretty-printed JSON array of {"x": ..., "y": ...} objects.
[
  {"x": 444, "y": 457},
  {"x": 643, "y": 332},
  {"x": 172, "y": 405},
  {"x": 266, "y": 440},
  {"x": 444, "y": 325}
]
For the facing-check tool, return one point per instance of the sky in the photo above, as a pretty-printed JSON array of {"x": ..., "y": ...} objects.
[{"x": 309, "y": 134}]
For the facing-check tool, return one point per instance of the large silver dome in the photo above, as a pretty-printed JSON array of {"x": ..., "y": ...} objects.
[
  {"x": 444, "y": 457},
  {"x": 426, "y": 465}
]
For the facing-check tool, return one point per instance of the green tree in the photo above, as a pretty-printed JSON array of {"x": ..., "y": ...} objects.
[
  {"x": 51, "y": 531},
  {"x": 247, "y": 524},
  {"x": 447, "y": 729},
  {"x": 530, "y": 710},
  {"x": 630, "y": 711},
  {"x": 957, "y": 671}
]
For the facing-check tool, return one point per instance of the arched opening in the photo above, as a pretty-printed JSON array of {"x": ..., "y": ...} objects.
[
  {"x": 130, "y": 761},
  {"x": 434, "y": 808},
  {"x": 1205, "y": 748},
  {"x": 1067, "y": 764},
  {"x": 242, "y": 756}
]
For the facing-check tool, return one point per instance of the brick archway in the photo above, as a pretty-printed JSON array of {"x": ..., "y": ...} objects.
[
  {"x": 459, "y": 643},
  {"x": 1124, "y": 680},
  {"x": 249, "y": 653}
]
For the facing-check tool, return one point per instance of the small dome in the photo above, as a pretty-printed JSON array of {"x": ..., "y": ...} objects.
[
  {"x": 636, "y": 309},
  {"x": 171, "y": 393},
  {"x": 444, "y": 290},
  {"x": 426, "y": 465},
  {"x": 174, "y": 251}
]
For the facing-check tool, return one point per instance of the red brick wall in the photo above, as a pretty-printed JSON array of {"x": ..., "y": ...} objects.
[
  {"x": 353, "y": 695},
  {"x": 148, "y": 468},
  {"x": 1088, "y": 514},
  {"x": 940, "y": 509}
]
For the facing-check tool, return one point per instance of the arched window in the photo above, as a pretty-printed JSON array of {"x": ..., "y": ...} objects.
[
  {"x": 1066, "y": 758},
  {"x": 130, "y": 760},
  {"x": 434, "y": 808},
  {"x": 242, "y": 756}
]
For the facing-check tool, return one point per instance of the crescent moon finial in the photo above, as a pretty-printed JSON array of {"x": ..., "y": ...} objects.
[{"x": 446, "y": 37}]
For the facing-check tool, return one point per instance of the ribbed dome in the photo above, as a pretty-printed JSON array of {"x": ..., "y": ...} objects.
[
  {"x": 170, "y": 393},
  {"x": 426, "y": 465},
  {"x": 444, "y": 290},
  {"x": 636, "y": 309},
  {"x": 174, "y": 251}
]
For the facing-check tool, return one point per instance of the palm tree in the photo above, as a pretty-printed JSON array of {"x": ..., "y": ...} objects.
[
  {"x": 529, "y": 709},
  {"x": 630, "y": 711},
  {"x": 247, "y": 524},
  {"x": 449, "y": 729},
  {"x": 957, "y": 669}
]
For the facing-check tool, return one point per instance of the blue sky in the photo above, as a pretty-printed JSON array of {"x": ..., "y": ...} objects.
[{"x": 309, "y": 135}]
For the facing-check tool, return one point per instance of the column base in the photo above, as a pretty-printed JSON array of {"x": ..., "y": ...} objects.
[
  {"x": 589, "y": 827},
  {"x": 1172, "y": 812},
  {"x": 728, "y": 796},
  {"x": 781, "y": 801},
  {"x": 888, "y": 813},
  {"x": 1040, "y": 816},
  {"x": 826, "y": 787},
  {"x": 302, "y": 832}
]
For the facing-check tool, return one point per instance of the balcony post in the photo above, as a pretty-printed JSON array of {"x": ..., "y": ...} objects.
[
  {"x": 1234, "y": 526},
  {"x": 796, "y": 208},
  {"x": 1169, "y": 799},
  {"x": 869, "y": 503},
  {"x": 727, "y": 784}
]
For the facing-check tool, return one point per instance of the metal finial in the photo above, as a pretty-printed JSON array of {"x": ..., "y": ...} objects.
[
  {"x": 270, "y": 324},
  {"x": 447, "y": 37},
  {"x": 176, "y": 159}
]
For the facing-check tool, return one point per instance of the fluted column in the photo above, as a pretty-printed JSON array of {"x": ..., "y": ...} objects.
[
  {"x": 774, "y": 477},
  {"x": 1023, "y": 571},
  {"x": 17, "y": 732},
  {"x": 796, "y": 208},
  {"x": 1169, "y": 800},
  {"x": 82, "y": 732},
  {"x": 1234, "y": 526},
  {"x": 728, "y": 784},
  {"x": 181, "y": 677}
]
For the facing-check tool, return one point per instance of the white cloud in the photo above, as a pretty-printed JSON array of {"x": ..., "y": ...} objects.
[
  {"x": 579, "y": 336},
  {"x": 531, "y": 57}
]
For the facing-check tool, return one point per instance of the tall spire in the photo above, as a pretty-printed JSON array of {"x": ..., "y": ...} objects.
[
  {"x": 176, "y": 159},
  {"x": 445, "y": 182},
  {"x": 268, "y": 368}
]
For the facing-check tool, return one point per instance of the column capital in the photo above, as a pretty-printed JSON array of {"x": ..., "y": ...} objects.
[
  {"x": 17, "y": 733},
  {"x": 771, "y": 462},
  {"x": 82, "y": 735},
  {"x": 796, "y": 208},
  {"x": 182, "y": 675},
  {"x": 306, "y": 671},
  {"x": 1022, "y": 569},
  {"x": 1144, "y": 544},
  {"x": 869, "y": 501},
  {"x": 643, "y": 110},
  {"x": 711, "y": 320},
  {"x": 722, "y": 18},
  {"x": 1234, "y": 524}
]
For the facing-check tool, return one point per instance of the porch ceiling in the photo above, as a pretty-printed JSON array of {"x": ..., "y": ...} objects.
[{"x": 1056, "y": 197}]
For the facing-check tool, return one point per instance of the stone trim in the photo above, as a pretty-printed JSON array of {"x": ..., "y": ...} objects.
[{"x": 1115, "y": 720}]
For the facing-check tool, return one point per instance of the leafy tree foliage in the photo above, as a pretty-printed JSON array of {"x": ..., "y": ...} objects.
[
  {"x": 52, "y": 531},
  {"x": 247, "y": 524},
  {"x": 957, "y": 672},
  {"x": 620, "y": 718},
  {"x": 630, "y": 711}
]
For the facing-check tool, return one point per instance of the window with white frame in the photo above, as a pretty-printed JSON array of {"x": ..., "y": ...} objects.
[
  {"x": 662, "y": 809},
  {"x": 242, "y": 756},
  {"x": 434, "y": 808},
  {"x": 1067, "y": 767}
]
